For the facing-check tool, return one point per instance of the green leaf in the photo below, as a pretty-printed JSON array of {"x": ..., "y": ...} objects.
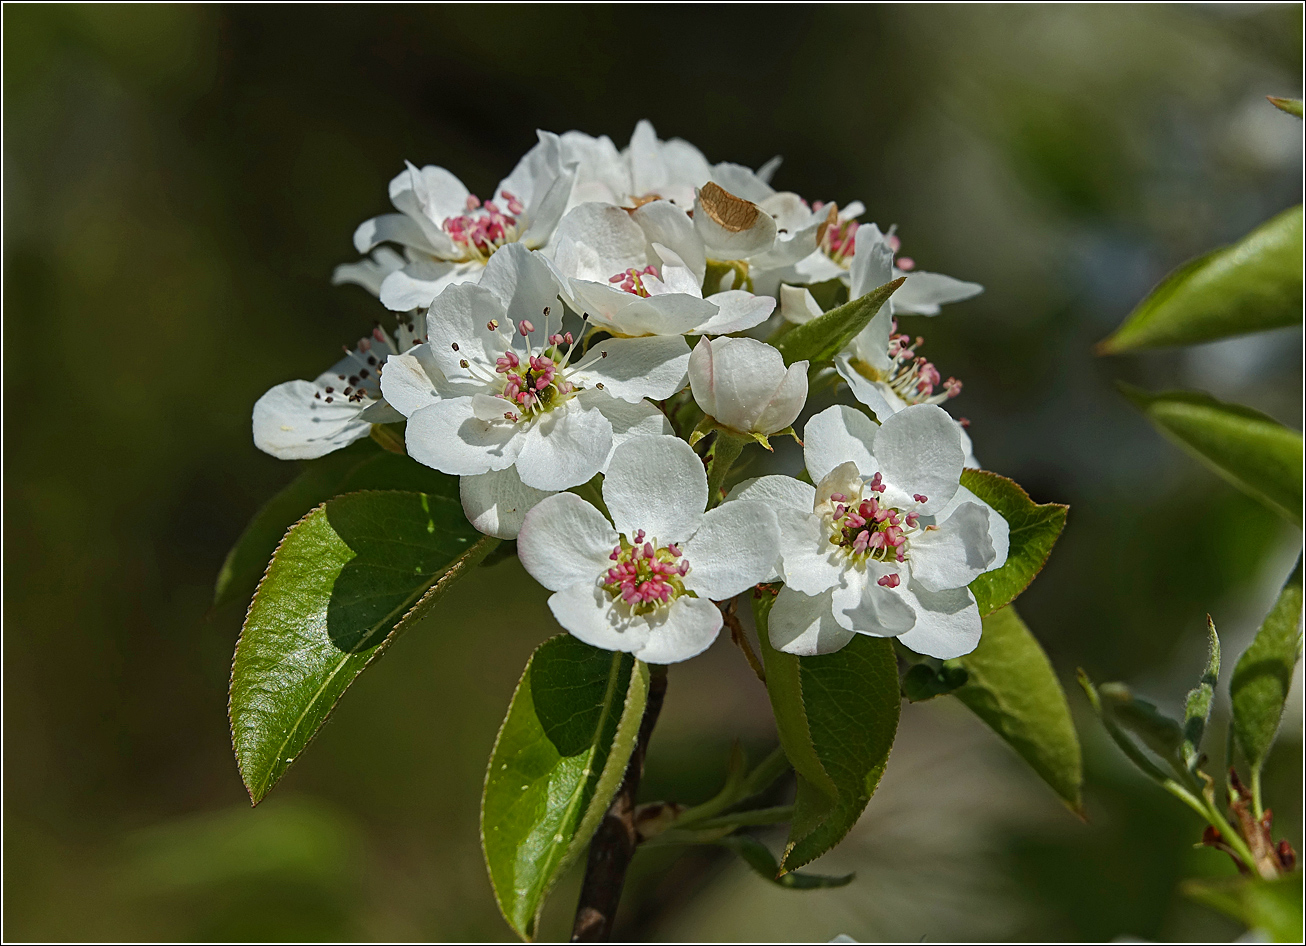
[
  {"x": 1154, "y": 729},
  {"x": 1251, "y": 286},
  {"x": 837, "y": 715},
  {"x": 1291, "y": 106},
  {"x": 1011, "y": 686},
  {"x": 759, "y": 857},
  {"x": 559, "y": 757},
  {"x": 818, "y": 341},
  {"x": 1255, "y": 453},
  {"x": 362, "y": 465},
  {"x": 1197, "y": 707},
  {"x": 1133, "y": 752},
  {"x": 924, "y": 682},
  {"x": 347, "y": 579},
  {"x": 1274, "y": 906},
  {"x": 1034, "y": 530},
  {"x": 1263, "y": 675}
]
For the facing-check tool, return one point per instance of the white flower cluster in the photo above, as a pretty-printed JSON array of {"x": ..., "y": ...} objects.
[{"x": 540, "y": 333}]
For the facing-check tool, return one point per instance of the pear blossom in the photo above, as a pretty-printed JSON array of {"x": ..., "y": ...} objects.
[
  {"x": 499, "y": 384},
  {"x": 743, "y": 384},
  {"x": 449, "y": 234},
  {"x": 645, "y": 582},
  {"x": 887, "y": 541},
  {"x": 370, "y": 271},
  {"x": 640, "y": 272},
  {"x": 763, "y": 235},
  {"x": 303, "y": 420}
]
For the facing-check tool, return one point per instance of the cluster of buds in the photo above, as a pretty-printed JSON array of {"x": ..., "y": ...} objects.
[
  {"x": 644, "y": 577},
  {"x": 632, "y": 280},
  {"x": 873, "y": 529},
  {"x": 485, "y": 227},
  {"x": 912, "y": 377}
]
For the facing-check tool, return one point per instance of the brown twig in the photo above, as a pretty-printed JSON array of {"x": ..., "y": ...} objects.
[
  {"x": 740, "y": 637},
  {"x": 614, "y": 842}
]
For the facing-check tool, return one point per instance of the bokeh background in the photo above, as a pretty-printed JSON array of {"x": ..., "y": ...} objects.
[{"x": 178, "y": 183}]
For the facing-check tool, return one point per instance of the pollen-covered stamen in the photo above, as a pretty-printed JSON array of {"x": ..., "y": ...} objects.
[
  {"x": 632, "y": 280},
  {"x": 646, "y": 576},
  {"x": 868, "y": 528},
  {"x": 485, "y": 227},
  {"x": 912, "y": 377},
  {"x": 357, "y": 377},
  {"x": 837, "y": 238}
]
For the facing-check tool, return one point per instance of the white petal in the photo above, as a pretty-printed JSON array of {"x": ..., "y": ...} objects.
[
  {"x": 999, "y": 529},
  {"x": 596, "y": 241},
  {"x": 872, "y": 264},
  {"x": 439, "y": 192},
  {"x": 786, "y": 401},
  {"x": 461, "y": 317},
  {"x": 636, "y": 368},
  {"x": 565, "y": 541},
  {"x": 956, "y": 552},
  {"x": 837, "y": 435},
  {"x": 524, "y": 285},
  {"x": 923, "y": 293},
  {"x": 406, "y": 381},
  {"x": 564, "y": 447},
  {"x": 947, "y": 623},
  {"x": 657, "y": 484},
  {"x": 733, "y": 379},
  {"x": 666, "y": 224},
  {"x": 732, "y": 227},
  {"x": 864, "y": 606},
  {"x": 640, "y": 419},
  {"x": 767, "y": 170},
  {"x": 497, "y": 502},
  {"x": 544, "y": 213},
  {"x": 779, "y": 492},
  {"x": 689, "y": 628},
  {"x": 447, "y": 435},
  {"x": 741, "y": 182},
  {"x": 736, "y": 310},
  {"x": 420, "y": 282},
  {"x": 872, "y": 344},
  {"x": 292, "y": 424},
  {"x": 797, "y": 305},
  {"x": 733, "y": 549},
  {"x": 369, "y": 272},
  {"x": 593, "y": 616},
  {"x": 804, "y": 625},
  {"x": 879, "y": 397},
  {"x": 808, "y": 561},
  {"x": 919, "y": 453},
  {"x": 390, "y": 228}
]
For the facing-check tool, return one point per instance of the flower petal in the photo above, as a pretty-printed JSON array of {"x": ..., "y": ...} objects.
[
  {"x": 292, "y": 423},
  {"x": 564, "y": 447},
  {"x": 524, "y": 285},
  {"x": 656, "y": 484},
  {"x": 447, "y": 435},
  {"x": 497, "y": 502},
  {"x": 736, "y": 310},
  {"x": 594, "y": 242},
  {"x": 369, "y": 272},
  {"x": 390, "y": 228},
  {"x": 872, "y": 264},
  {"x": 779, "y": 492},
  {"x": 956, "y": 552},
  {"x": 733, "y": 549},
  {"x": 804, "y": 625},
  {"x": 565, "y": 541},
  {"x": 807, "y": 560},
  {"x": 947, "y": 622},
  {"x": 635, "y": 368},
  {"x": 666, "y": 224},
  {"x": 689, "y": 628},
  {"x": 923, "y": 293},
  {"x": 593, "y": 616},
  {"x": 880, "y": 398},
  {"x": 731, "y": 227},
  {"x": 919, "y": 452},
  {"x": 864, "y": 606},
  {"x": 999, "y": 529},
  {"x": 457, "y": 329},
  {"x": 798, "y": 305},
  {"x": 640, "y": 419},
  {"x": 406, "y": 381},
  {"x": 837, "y": 435},
  {"x": 787, "y": 401},
  {"x": 418, "y": 284}
]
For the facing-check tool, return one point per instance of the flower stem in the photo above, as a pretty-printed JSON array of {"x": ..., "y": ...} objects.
[
  {"x": 740, "y": 637},
  {"x": 725, "y": 451},
  {"x": 614, "y": 842}
]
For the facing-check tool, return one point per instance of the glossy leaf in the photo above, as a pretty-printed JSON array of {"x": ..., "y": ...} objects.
[
  {"x": 1011, "y": 686},
  {"x": 1263, "y": 674},
  {"x": 1251, "y": 286},
  {"x": 362, "y": 465},
  {"x": 1034, "y": 530},
  {"x": 818, "y": 341},
  {"x": 347, "y": 579},
  {"x": 1272, "y": 906},
  {"x": 1255, "y": 453},
  {"x": 559, "y": 757},
  {"x": 1197, "y": 706},
  {"x": 837, "y": 715},
  {"x": 759, "y": 857}
]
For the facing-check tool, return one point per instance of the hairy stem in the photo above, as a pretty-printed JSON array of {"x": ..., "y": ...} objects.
[{"x": 614, "y": 842}]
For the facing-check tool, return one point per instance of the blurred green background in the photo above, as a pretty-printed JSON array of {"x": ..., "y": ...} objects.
[{"x": 179, "y": 182}]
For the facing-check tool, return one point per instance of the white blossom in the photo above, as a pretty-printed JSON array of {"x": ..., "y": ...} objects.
[
  {"x": 743, "y": 384},
  {"x": 887, "y": 541},
  {"x": 645, "y": 582}
]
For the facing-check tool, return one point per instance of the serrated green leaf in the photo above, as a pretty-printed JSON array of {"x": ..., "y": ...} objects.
[
  {"x": 559, "y": 757},
  {"x": 1034, "y": 530},
  {"x": 759, "y": 857},
  {"x": 1263, "y": 674},
  {"x": 1011, "y": 686},
  {"x": 346, "y": 580},
  {"x": 1254, "y": 452},
  {"x": 1291, "y": 106},
  {"x": 837, "y": 715},
  {"x": 1272, "y": 906},
  {"x": 362, "y": 465},
  {"x": 1197, "y": 706},
  {"x": 818, "y": 341},
  {"x": 1251, "y": 286}
]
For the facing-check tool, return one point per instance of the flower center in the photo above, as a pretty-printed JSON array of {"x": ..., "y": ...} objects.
[
  {"x": 644, "y": 576},
  {"x": 632, "y": 280},
  {"x": 485, "y": 227},
  {"x": 911, "y": 376},
  {"x": 870, "y": 529},
  {"x": 836, "y": 239}
]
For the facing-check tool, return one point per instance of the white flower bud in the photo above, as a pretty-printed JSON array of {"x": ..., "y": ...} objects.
[{"x": 743, "y": 384}]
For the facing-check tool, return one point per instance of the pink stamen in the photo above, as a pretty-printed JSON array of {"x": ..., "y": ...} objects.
[
  {"x": 920, "y": 497},
  {"x": 889, "y": 581},
  {"x": 525, "y": 326}
]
